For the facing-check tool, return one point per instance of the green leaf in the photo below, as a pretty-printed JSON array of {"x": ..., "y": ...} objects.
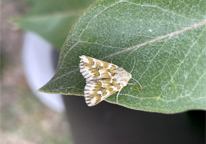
[
  {"x": 53, "y": 19},
  {"x": 167, "y": 39}
]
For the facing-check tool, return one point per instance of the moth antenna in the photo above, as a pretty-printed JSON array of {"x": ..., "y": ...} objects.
[
  {"x": 133, "y": 65},
  {"x": 117, "y": 96},
  {"x": 132, "y": 77},
  {"x": 138, "y": 83}
]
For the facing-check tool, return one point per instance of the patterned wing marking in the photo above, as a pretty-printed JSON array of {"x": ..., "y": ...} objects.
[
  {"x": 102, "y": 68},
  {"x": 86, "y": 68},
  {"x": 90, "y": 92},
  {"x": 107, "y": 88},
  {"x": 111, "y": 69},
  {"x": 96, "y": 91},
  {"x": 117, "y": 85},
  {"x": 93, "y": 69}
]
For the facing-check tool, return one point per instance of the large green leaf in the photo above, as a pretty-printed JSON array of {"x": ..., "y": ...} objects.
[
  {"x": 167, "y": 39},
  {"x": 53, "y": 19}
]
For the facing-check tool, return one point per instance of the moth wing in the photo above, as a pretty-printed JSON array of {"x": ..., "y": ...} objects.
[
  {"x": 93, "y": 69},
  {"x": 96, "y": 91}
]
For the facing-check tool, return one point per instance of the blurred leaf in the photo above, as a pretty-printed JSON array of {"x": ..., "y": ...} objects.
[
  {"x": 53, "y": 19},
  {"x": 168, "y": 39}
]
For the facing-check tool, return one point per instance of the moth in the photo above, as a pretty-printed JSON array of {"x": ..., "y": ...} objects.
[{"x": 102, "y": 79}]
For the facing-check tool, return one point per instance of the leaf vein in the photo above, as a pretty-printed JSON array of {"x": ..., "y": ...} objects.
[
  {"x": 191, "y": 9},
  {"x": 182, "y": 62},
  {"x": 153, "y": 59},
  {"x": 155, "y": 6},
  {"x": 106, "y": 46}
]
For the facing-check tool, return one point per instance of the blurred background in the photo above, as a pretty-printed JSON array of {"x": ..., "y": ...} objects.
[{"x": 24, "y": 119}]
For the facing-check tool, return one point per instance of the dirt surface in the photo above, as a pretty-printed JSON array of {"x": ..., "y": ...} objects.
[{"x": 24, "y": 119}]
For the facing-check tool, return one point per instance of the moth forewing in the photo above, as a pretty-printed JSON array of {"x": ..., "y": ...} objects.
[{"x": 102, "y": 79}]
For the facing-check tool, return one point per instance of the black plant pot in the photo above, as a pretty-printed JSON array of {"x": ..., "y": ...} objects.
[{"x": 112, "y": 124}]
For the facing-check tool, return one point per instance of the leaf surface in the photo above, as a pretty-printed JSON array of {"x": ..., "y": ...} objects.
[{"x": 167, "y": 39}]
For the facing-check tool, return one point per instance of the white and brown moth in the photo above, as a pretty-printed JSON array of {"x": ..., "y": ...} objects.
[{"x": 102, "y": 79}]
